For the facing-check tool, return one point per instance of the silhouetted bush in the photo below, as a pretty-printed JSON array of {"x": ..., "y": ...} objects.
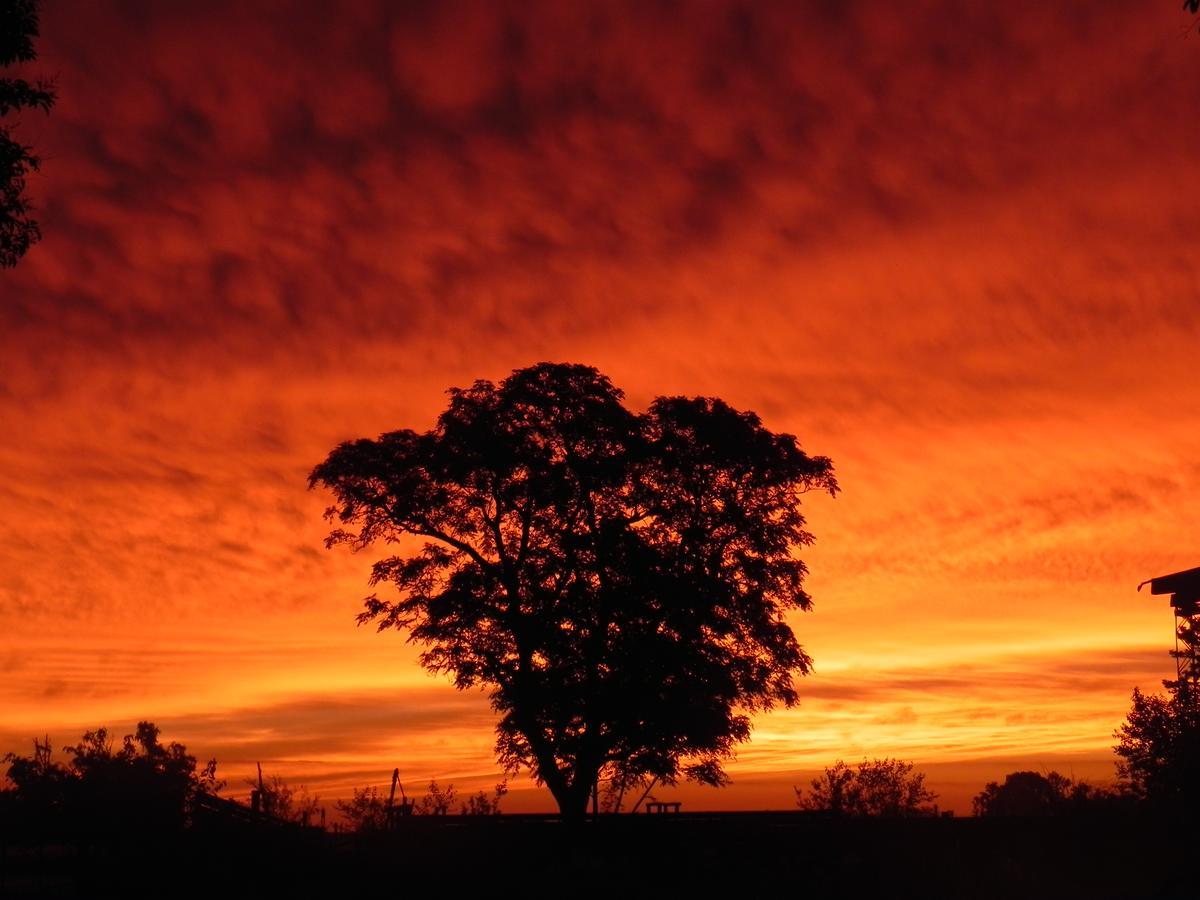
[
  {"x": 368, "y": 811},
  {"x": 365, "y": 812},
  {"x": 437, "y": 800},
  {"x": 278, "y": 799},
  {"x": 880, "y": 787},
  {"x": 480, "y": 804}
]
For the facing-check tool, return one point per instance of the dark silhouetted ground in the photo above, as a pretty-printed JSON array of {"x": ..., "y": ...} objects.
[{"x": 744, "y": 855}]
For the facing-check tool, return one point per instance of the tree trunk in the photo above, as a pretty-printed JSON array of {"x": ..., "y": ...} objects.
[{"x": 572, "y": 802}]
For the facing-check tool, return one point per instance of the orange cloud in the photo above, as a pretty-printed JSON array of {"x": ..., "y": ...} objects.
[{"x": 950, "y": 248}]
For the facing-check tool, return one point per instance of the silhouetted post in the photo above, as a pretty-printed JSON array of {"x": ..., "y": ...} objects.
[
  {"x": 390, "y": 815},
  {"x": 261, "y": 793}
]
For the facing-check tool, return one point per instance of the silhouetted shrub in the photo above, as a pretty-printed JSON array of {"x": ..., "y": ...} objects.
[
  {"x": 437, "y": 801},
  {"x": 366, "y": 811},
  {"x": 480, "y": 804},
  {"x": 280, "y": 800},
  {"x": 880, "y": 787}
]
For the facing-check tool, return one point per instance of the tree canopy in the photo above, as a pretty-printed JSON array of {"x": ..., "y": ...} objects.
[
  {"x": 618, "y": 582},
  {"x": 1026, "y": 794},
  {"x": 879, "y": 787},
  {"x": 139, "y": 787},
  {"x": 278, "y": 799},
  {"x": 1159, "y": 747},
  {"x": 18, "y": 229}
]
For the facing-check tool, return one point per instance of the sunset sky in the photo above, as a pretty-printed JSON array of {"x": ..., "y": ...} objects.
[{"x": 953, "y": 246}]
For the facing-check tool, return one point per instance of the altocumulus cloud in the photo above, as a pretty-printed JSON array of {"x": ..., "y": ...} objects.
[{"x": 949, "y": 245}]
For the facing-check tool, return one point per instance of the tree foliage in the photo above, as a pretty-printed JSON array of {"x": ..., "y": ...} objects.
[
  {"x": 279, "y": 799},
  {"x": 1023, "y": 794},
  {"x": 879, "y": 787},
  {"x": 366, "y": 811},
  {"x": 437, "y": 801},
  {"x": 1033, "y": 794},
  {"x": 618, "y": 582},
  {"x": 1159, "y": 747},
  {"x": 483, "y": 804},
  {"x": 142, "y": 786},
  {"x": 18, "y": 230}
]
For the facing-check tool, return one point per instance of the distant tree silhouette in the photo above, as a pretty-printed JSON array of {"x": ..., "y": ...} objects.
[
  {"x": 1024, "y": 794},
  {"x": 279, "y": 799},
  {"x": 483, "y": 804},
  {"x": 143, "y": 784},
  {"x": 40, "y": 791},
  {"x": 437, "y": 801},
  {"x": 1033, "y": 794},
  {"x": 366, "y": 810},
  {"x": 141, "y": 787},
  {"x": 619, "y": 582},
  {"x": 18, "y": 230},
  {"x": 879, "y": 787},
  {"x": 1159, "y": 747}
]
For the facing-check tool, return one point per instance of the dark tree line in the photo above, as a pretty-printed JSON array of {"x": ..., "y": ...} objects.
[
  {"x": 1029, "y": 793},
  {"x": 139, "y": 786}
]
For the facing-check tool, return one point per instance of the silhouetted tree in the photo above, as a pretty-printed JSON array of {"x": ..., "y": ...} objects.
[
  {"x": 880, "y": 787},
  {"x": 481, "y": 804},
  {"x": 619, "y": 582},
  {"x": 365, "y": 811},
  {"x": 141, "y": 787},
  {"x": 1033, "y": 794},
  {"x": 279, "y": 799},
  {"x": 39, "y": 792},
  {"x": 437, "y": 800},
  {"x": 18, "y": 230},
  {"x": 1023, "y": 794},
  {"x": 1159, "y": 746},
  {"x": 144, "y": 778}
]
